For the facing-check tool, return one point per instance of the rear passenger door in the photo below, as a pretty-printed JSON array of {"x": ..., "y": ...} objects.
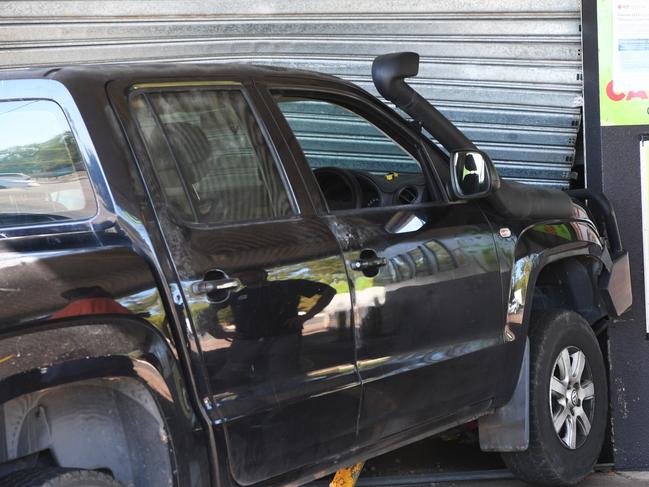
[
  {"x": 262, "y": 275},
  {"x": 424, "y": 270}
]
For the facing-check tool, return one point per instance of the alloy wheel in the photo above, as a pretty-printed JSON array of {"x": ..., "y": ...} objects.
[{"x": 572, "y": 397}]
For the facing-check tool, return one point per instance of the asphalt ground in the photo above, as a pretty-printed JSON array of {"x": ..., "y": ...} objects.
[
  {"x": 608, "y": 479},
  {"x": 455, "y": 460},
  {"x": 597, "y": 479}
]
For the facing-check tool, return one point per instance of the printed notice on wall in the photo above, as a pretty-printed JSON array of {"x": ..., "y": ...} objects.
[
  {"x": 623, "y": 39},
  {"x": 631, "y": 45}
]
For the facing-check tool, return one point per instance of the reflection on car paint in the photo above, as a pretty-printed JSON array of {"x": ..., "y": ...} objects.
[
  {"x": 263, "y": 322},
  {"x": 273, "y": 387},
  {"x": 92, "y": 300},
  {"x": 419, "y": 317}
]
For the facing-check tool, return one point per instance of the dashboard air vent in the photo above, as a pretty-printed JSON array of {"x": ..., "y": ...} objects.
[{"x": 408, "y": 195}]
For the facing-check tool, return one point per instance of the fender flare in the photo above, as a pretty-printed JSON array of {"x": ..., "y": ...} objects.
[{"x": 536, "y": 247}]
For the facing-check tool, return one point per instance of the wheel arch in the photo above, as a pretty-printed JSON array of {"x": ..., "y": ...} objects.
[
  {"x": 570, "y": 283},
  {"x": 110, "y": 424},
  {"x": 107, "y": 384},
  {"x": 540, "y": 251}
]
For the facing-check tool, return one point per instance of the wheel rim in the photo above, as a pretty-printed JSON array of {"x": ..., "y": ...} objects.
[{"x": 572, "y": 397}]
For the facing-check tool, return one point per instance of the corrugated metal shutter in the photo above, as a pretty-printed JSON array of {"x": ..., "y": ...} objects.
[{"x": 508, "y": 72}]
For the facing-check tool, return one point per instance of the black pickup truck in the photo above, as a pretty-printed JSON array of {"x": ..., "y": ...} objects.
[{"x": 241, "y": 275}]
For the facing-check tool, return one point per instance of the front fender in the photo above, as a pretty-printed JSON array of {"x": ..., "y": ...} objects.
[
  {"x": 536, "y": 247},
  {"x": 523, "y": 257}
]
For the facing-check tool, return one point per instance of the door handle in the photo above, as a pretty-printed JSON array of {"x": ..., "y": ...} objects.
[
  {"x": 226, "y": 284},
  {"x": 368, "y": 264}
]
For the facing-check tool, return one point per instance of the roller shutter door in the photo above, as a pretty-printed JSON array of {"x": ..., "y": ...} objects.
[{"x": 507, "y": 72}]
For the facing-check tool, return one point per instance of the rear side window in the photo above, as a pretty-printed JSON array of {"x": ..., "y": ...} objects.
[
  {"x": 42, "y": 174},
  {"x": 210, "y": 156}
]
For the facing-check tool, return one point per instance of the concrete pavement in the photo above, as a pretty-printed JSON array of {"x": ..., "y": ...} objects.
[{"x": 611, "y": 479}]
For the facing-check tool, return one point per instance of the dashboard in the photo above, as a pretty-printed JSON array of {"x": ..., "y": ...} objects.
[{"x": 348, "y": 189}]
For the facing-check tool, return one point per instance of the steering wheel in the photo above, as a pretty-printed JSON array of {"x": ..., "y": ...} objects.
[{"x": 339, "y": 187}]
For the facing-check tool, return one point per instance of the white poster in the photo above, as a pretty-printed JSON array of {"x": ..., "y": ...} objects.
[
  {"x": 644, "y": 181},
  {"x": 631, "y": 45}
]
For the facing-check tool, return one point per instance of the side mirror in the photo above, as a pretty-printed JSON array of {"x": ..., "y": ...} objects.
[{"x": 472, "y": 174}]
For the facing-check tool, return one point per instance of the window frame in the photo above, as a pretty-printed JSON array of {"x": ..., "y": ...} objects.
[
  {"x": 137, "y": 89},
  {"x": 369, "y": 109},
  {"x": 99, "y": 194}
]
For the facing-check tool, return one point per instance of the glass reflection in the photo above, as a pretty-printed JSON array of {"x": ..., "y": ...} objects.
[{"x": 42, "y": 174}]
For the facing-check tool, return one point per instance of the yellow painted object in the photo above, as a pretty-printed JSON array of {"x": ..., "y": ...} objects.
[{"x": 347, "y": 477}]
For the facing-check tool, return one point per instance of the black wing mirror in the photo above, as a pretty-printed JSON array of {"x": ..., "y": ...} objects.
[{"x": 472, "y": 174}]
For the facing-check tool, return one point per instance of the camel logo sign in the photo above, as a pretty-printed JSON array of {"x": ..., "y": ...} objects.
[{"x": 621, "y": 96}]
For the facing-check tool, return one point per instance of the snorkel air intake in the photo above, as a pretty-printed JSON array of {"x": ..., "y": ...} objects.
[
  {"x": 510, "y": 199},
  {"x": 389, "y": 72}
]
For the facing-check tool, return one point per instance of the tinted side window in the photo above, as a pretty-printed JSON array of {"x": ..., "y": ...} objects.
[
  {"x": 42, "y": 174},
  {"x": 210, "y": 156},
  {"x": 333, "y": 136}
]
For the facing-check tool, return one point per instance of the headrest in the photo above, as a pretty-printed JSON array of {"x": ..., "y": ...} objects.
[{"x": 189, "y": 143}]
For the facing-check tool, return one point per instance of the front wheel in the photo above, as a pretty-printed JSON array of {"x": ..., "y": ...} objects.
[{"x": 568, "y": 402}]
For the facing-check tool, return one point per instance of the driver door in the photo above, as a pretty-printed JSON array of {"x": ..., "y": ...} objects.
[{"x": 423, "y": 270}]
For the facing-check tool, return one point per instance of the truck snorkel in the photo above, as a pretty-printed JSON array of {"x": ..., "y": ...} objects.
[
  {"x": 389, "y": 72},
  {"x": 509, "y": 199}
]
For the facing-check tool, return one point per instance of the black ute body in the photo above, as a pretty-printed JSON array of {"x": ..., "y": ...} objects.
[{"x": 435, "y": 340}]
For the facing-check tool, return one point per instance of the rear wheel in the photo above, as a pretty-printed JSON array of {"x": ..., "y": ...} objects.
[
  {"x": 58, "y": 477},
  {"x": 568, "y": 402}
]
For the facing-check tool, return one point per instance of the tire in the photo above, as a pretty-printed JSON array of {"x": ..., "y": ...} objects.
[
  {"x": 58, "y": 477},
  {"x": 564, "y": 455}
]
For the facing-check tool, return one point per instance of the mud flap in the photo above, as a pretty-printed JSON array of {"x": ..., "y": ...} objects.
[
  {"x": 507, "y": 429},
  {"x": 616, "y": 285}
]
